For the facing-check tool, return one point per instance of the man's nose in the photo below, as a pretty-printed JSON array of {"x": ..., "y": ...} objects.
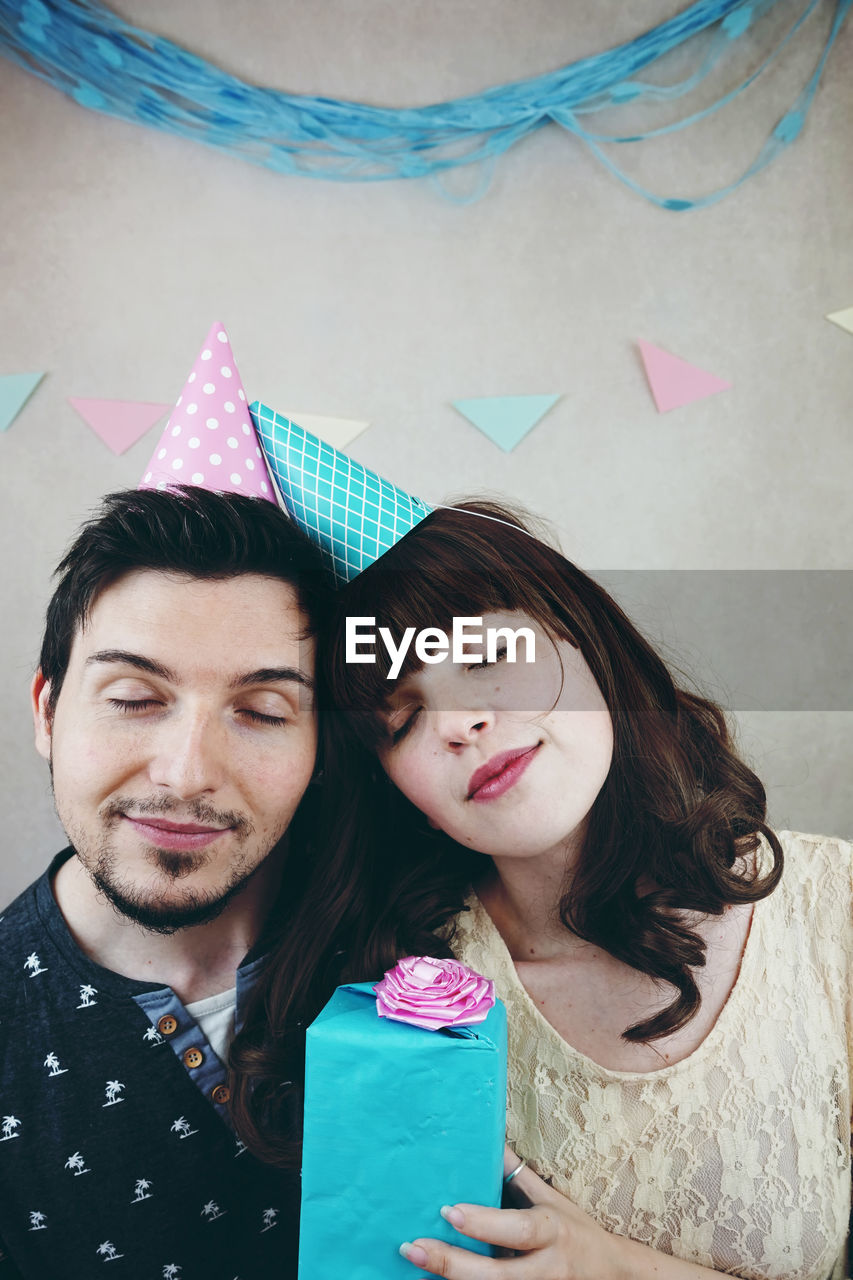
[
  {"x": 462, "y": 725},
  {"x": 189, "y": 756}
]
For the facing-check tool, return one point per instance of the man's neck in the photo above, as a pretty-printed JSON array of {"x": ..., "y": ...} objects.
[{"x": 195, "y": 962}]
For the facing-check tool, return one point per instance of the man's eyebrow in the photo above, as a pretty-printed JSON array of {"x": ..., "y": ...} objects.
[
  {"x": 269, "y": 675},
  {"x": 131, "y": 660},
  {"x": 264, "y": 675}
]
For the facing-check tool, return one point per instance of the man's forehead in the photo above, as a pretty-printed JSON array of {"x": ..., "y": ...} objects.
[
  {"x": 144, "y": 586},
  {"x": 197, "y": 614}
]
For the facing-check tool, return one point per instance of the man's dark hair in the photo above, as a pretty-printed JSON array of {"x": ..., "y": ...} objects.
[{"x": 183, "y": 530}]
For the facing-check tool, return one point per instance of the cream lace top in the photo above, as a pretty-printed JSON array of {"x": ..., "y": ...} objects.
[{"x": 737, "y": 1157}]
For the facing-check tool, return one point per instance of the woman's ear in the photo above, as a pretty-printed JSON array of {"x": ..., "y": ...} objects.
[{"x": 42, "y": 720}]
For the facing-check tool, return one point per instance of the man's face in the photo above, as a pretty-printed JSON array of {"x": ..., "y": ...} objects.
[{"x": 183, "y": 738}]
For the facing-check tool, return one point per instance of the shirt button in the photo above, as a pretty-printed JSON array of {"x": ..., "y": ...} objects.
[
  {"x": 220, "y": 1093},
  {"x": 193, "y": 1058},
  {"x": 168, "y": 1025}
]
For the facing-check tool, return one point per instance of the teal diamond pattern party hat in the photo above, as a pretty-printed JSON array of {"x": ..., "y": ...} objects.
[{"x": 352, "y": 514}]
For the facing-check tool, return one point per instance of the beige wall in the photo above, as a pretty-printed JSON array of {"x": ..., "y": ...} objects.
[{"x": 120, "y": 246}]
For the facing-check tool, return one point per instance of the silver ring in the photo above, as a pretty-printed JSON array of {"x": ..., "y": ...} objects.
[{"x": 509, "y": 1177}]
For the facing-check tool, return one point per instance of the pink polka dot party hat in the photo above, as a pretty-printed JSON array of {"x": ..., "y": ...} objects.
[{"x": 210, "y": 439}]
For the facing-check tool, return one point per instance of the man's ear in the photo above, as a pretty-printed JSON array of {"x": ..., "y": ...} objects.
[{"x": 40, "y": 695}]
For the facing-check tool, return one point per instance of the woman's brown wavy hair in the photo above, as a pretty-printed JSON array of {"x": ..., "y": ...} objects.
[{"x": 679, "y": 810}]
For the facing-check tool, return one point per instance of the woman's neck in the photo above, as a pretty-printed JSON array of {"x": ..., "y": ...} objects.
[{"x": 523, "y": 896}]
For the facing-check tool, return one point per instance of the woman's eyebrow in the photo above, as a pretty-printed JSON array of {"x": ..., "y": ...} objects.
[{"x": 270, "y": 675}]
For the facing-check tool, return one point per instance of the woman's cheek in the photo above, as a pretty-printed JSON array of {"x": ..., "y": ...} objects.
[{"x": 409, "y": 776}]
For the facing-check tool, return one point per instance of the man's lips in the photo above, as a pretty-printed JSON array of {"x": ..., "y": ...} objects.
[
  {"x": 167, "y": 833},
  {"x": 500, "y": 773}
]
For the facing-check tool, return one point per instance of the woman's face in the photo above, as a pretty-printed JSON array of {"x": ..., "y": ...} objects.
[{"x": 506, "y": 758}]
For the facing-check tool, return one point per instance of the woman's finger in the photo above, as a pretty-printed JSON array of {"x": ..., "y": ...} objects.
[
  {"x": 441, "y": 1259},
  {"x": 527, "y": 1184},
  {"x": 517, "y": 1229}
]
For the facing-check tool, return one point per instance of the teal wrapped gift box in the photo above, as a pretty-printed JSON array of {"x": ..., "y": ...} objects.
[{"x": 398, "y": 1122}]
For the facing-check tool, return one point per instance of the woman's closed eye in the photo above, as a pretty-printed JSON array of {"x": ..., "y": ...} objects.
[
  {"x": 500, "y": 654},
  {"x": 398, "y": 728},
  {"x": 404, "y": 719}
]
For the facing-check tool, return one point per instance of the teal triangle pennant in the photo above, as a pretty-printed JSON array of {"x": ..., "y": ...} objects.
[
  {"x": 15, "y": 391},
  {"x": 506, "y": 420}
]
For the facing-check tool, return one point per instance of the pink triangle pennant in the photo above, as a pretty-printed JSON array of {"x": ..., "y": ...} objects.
[
  {"x": 119, "y": 423},
  {"x": 674, "y": 382}
]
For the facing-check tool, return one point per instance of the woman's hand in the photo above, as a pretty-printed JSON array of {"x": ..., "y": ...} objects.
[
  {"x": 555, "y": 1239},
  {"x": 552, "y": 1239}
]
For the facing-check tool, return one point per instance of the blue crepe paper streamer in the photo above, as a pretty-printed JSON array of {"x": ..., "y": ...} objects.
[{"x": 106, "y": 64}]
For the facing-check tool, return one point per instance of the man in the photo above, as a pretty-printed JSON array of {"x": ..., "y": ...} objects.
[{"x": 174, "y": 704}]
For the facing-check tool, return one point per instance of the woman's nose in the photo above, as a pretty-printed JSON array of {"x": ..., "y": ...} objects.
[{"x": 461, "y": 726}]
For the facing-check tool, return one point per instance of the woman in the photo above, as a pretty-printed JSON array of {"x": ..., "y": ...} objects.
[{"x": 678, "y": 1007}]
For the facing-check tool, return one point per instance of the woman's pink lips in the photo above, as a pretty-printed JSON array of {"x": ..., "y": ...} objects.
[
  {"x": 500, "y": 773},
  {"x": 175, "y": 835}
]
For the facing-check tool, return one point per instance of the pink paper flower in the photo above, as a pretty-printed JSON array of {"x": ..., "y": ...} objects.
[{"x": 434, "y": 993}]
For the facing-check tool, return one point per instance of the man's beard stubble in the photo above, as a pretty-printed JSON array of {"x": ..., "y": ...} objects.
[{"x": 195, "y": 908}]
